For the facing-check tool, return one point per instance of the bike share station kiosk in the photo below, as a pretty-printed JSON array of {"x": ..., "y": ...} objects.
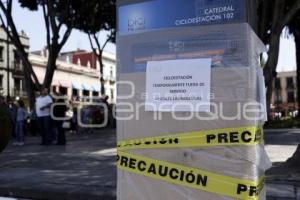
[{"x": 191, "y": 101}]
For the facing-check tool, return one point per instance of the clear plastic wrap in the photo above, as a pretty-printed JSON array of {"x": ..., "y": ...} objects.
[
  {"x": 229, "y": 45},
  {"x": 235, "y": 50}
]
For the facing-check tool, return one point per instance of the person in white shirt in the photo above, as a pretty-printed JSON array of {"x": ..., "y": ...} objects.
[{"x": 43, "y": 105}]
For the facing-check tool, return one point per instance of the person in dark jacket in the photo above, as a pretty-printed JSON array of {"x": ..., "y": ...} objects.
[
  {"x": 13, "y": 109},
  {"x": 5, "y": 125},
  {"x": 59, "y": 112},
  {"x": 20, "y": 123}
]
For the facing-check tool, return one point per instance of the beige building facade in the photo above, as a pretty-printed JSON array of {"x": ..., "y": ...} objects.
[
  {"x": 284, "y": 96},
  {"x": 11, "y": 75},
  {"x": 79, "y": 83}
]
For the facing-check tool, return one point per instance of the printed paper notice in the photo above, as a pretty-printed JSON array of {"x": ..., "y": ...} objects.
[{"x": 178, "y": 85}]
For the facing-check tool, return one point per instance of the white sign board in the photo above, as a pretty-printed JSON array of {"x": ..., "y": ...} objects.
[{"x": 178, "y": 85}]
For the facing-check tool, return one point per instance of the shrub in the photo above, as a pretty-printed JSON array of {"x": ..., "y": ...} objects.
[{"x": 283, "y": 123}]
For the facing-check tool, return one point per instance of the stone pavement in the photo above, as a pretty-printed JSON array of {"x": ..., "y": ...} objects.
[
  {"x": 84, "y": 169},
  {"x": 283, "y": 183}
]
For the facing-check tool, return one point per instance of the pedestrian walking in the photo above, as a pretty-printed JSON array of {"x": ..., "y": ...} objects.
[
  {"x": 13, "y": 109},
  {"x": 86, "y": 120},
  {"x": 33, "y": 122},
  {"x": 59, "y": 112},
  {"x": 20, "y": 123},
  {"x": 74, "y": 122},
  {"x": 43, "y": 105},
  {"x": 109, "y": 116}
]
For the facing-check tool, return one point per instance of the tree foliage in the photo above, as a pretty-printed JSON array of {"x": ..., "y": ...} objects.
[
  {"x": 52, "y": 10},
  {"x": 56, "y": 34},
  {"x": 93, "y": 17},
  {"x": 60, "y": 18}
]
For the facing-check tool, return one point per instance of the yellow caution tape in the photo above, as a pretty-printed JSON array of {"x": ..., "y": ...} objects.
[
  {"x": 190, "y": 177},
  {"x": 219, "y": 137}
]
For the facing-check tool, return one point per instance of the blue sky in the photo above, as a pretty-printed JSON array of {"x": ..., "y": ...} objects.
[
  {"x": 32, "y": 23},
  {"x": 287, "y": 55}
]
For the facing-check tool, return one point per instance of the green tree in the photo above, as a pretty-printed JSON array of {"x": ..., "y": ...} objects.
[
  {"x": 55, "y": 14},
  {"x": 94, "y": 17},
  {"x": 274, "y": 16},
  {"x": 56, "y": 33},
  {"x": 8, "y": 24},
  {"x": 294, "y": 29}
]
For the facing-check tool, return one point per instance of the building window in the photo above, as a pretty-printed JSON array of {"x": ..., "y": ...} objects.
[
  {"x": 1, "y": 53},
  {"x": 75, "y": 95},
  {"x": 111, "y": 72},
  {"x": 112, "y": 94},
  {"x": 63, "y": 90},
  {"x": 23, "y": 85},
  {"x": 95, "y": 94},
  {"x": 290, "y": 83},
  {"x": 74, "y": 92},
  {"x": 17, "y": 61},
  {"x": 277, "y": 84},
  {"x": 278, "y": 98},
  {"x": 291, "y": 97},
  {"x": 86, "y": 95},
  {"x": 17, "y": 83},
  {"x": 53, "y": 89},
  {"x": 1, "y": 82},
  {"x": 16, "y": 57}
]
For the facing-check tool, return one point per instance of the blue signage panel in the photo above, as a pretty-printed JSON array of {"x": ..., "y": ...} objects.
[{"x": 159, "y": 14}]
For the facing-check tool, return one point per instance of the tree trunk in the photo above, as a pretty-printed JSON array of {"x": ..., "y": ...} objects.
[
  {"x": 29, "y": 89},
  {"x": 99, "y": 56},
  {"x": 101, "y": 72},
  {"x": 270, "y": 68},
  {"x": 297, "y": 43},
  {"x": 294, "y": 161},
  {"x": 51, "y": 66},
  {"x": 27, "y": 66},
  {"x": 5, "y": 126}
]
